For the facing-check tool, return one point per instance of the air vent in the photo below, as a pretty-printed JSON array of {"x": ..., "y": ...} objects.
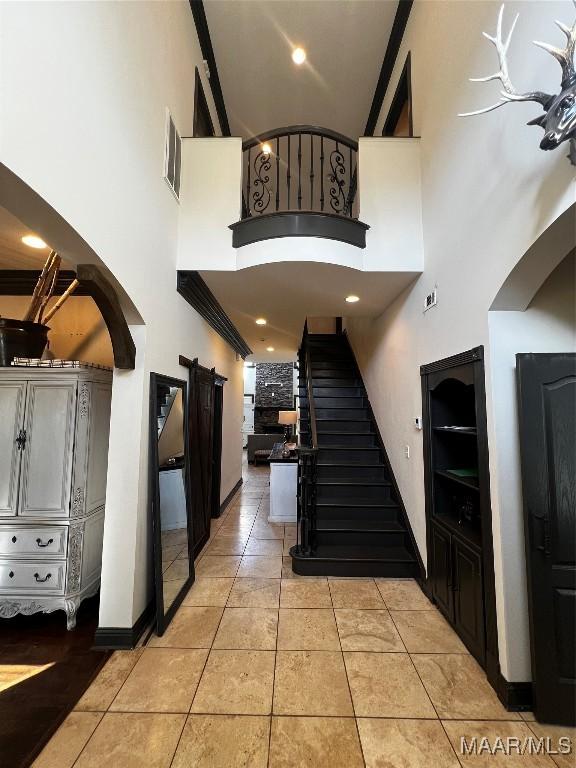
[
  {"x": 431, "y": 300},
  {"x": 172, "y": 155}
]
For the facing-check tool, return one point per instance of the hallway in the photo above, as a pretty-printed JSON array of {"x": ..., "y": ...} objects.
[{"x": 264, "y": 668}]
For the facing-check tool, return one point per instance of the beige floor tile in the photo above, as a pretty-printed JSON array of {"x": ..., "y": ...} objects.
[
  {"x": 179, "y": 570},
  {"x": 171, "y": 589},
  {"x": 307, "y": 629},
  {"x": 554, "y": 733},
  {"x": 236, "y": 683},
  {"x": 386, "y": 685},
  {"x": 190, "y": 628},
  {"x": 427, "y": 632},
  {"x": 163, "y": 680},
  {"x": 236, "y": 528},
  {"x": 263, "y": 547},
  {"x": 206, "y": 592},
  {"x": 223, "y": 741},
  {"x": 262, "y": 530},
  {"x": 288, "y": 544},
  {"x": 255, "y": 593},
  {"x": 527, "y": 716},
  {"x": 367, "y": 630},
  {"x": 405, "y": 744},
  {"x": 227, "y": 545},
  {"x": 127, "y": 740},
  {"x": 108, "y": 682},
  {"x": 214, "y": 566},
  {"x": 314, "y": 742},
  {"x": 249, "y": 628},
  {"x": 68, "y": 741},
  {"x": 260, "y": 567},
  {"x": 288, "y": 573},
  {"x": 296, "y": 593},
  {"x": 311, "y": 683},
  {"x": 458, "y": 730},
  {"x": 169, "y": 554},
  {"x": 403, "y": 595},
  {"x": 458, "y": 687},
  {"x": 355, "y": 594}
]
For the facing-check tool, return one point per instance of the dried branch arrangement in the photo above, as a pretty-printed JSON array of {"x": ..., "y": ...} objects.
[{"x": 45, "y": 289}]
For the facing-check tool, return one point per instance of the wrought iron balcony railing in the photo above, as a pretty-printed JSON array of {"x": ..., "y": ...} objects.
[{"x": 300, "y": 168}]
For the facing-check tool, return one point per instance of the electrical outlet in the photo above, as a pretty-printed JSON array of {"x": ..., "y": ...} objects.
[
  {"x": 407, "y": 451},
  {"x": 418, "y": 422}
]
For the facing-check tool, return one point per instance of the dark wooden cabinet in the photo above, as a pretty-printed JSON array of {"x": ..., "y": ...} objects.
[
  {"x": 441, "y": 572},
  {"x": 458, "y": 513}
]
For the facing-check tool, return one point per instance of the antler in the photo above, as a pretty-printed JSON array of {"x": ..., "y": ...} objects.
[
  {"x": 509, "y": 93},
  {"x": 564, "y": 55}
]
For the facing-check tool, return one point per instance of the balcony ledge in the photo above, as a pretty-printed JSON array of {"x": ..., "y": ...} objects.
[{"x": 269, "y": 226}]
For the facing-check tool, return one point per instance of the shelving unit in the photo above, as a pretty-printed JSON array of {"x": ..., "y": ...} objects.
[{"x": 458, "y": 515}]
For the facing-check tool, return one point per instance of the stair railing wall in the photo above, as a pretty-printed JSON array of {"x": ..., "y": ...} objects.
[
  {"x": 307, "y": 462},
  {"x": 300, "y": 168}
]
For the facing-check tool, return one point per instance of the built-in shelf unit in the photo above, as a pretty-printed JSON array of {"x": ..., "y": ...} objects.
[{"x": 458, "y": 515}]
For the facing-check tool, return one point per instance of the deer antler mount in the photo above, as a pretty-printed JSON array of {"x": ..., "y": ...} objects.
[{"x": 559, "y": 118}]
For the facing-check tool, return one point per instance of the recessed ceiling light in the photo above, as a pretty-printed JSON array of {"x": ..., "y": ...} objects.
[
  {"x": 260, "y": 321},
  {"x": 269, "y": 349},
  {"x": 352, "y": 299},
  {"x": 33, "y": 241},
  {"x": 266, "y": 149},
  {"x": 298, "y": 56}
]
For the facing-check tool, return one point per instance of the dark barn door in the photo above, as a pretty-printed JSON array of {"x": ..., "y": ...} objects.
[
  {"x": 201, "y": 425},
  {"x": 547, "y": 417},
  {"x": 217, "y": 448}
]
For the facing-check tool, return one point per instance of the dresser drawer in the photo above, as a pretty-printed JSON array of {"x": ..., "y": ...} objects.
[
  {"x": 30, "y": 577},
  {"x": 26, "y": 542}
]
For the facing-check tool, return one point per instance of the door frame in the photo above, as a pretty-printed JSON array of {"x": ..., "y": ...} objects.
[{"x": 217, "y": 423}]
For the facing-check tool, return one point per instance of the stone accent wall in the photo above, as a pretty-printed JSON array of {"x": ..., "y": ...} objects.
[{"x": 274, "y": 392}]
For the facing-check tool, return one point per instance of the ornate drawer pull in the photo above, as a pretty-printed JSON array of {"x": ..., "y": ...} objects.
[
  {"x": 11, "y": 574},
  {"x": 14, "y": 539},
  {"x": 40, "y": 544},
  {"x": 39, "y": 580}
]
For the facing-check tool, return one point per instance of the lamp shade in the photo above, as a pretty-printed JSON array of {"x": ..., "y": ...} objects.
[{"x": 287, "y": 417}]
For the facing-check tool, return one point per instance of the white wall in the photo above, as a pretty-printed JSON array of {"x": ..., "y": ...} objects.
[
  {"x": 488, "y": 192},
  {"x": 83, "y": 93}
]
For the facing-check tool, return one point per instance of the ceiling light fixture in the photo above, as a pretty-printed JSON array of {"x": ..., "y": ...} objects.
[
  {"x": 269, "y": 349},
  {"x": 352, "y": 299},
  {"x": 298, "y": 56},
  {"x": 260, "y": 321},
  {"x": 32, "y": 241}
]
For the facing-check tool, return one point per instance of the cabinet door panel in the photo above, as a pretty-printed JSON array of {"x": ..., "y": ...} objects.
[
  {"x": 47, "y": 457},
  {"x": 12, "y": 398},
  {"x": 468, "y": 598},
  {"x": 442, "y": 570}
]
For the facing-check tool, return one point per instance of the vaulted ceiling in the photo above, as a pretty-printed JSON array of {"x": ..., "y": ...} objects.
[{"x": 345, "y": 42}]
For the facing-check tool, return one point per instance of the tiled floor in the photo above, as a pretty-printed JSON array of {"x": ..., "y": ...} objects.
[{"x": 261, "y": 668}]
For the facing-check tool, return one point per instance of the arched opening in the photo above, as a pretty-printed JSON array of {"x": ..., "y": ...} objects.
[
  {"x": 53, "y": 458},
  {"x": 533, "y": 312}
]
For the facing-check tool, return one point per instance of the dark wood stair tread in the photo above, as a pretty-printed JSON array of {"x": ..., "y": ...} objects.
[
  {"x": 359, "y": 552},
  {"x": 362, "y": 526}
]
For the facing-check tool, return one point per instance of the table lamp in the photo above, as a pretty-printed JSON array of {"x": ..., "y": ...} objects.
[{"x": 287, "y": 418}]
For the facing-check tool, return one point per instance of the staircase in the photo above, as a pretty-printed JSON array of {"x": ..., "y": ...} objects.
[
  {"x": 353, "y": 522},
  {"x": 165, "y": 396}
]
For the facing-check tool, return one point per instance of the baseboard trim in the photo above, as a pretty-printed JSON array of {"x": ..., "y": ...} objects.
[
  {"x": 516, "y": 697},
  {"x": 231, "y": 495},
  {"x": 124, "y": 638}
]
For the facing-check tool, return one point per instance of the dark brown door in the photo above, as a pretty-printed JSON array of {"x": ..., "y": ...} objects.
[
  {"x": 547, "y": 417},
  {"x": 468, "y": 597},
  {"x": 217, "y": 449},
  {"x": 201, "y": 419},
  {"x": 442, "y": 570}
]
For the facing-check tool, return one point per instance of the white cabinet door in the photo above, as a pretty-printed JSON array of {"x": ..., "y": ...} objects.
[
  {"x": 47, "y": 456},
  {"x": 12, "y": 400}
]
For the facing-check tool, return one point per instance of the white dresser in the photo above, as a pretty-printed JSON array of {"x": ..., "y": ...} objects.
[{"x": 54, "y": 425}]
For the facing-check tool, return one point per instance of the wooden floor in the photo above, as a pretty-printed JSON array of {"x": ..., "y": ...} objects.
[{"x": 44, "y": 669}]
